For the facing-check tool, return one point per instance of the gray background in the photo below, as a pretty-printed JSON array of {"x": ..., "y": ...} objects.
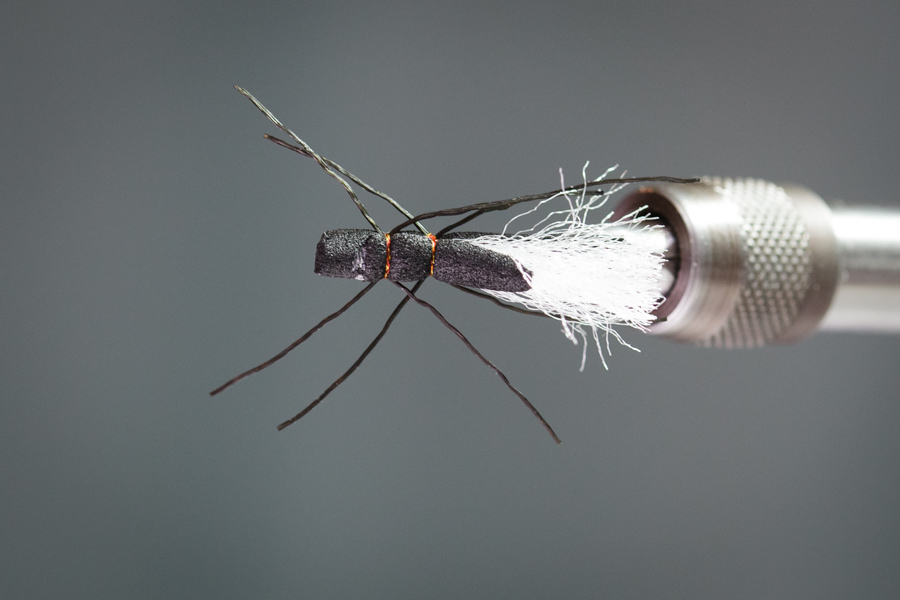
[{"x": 154, "y": 245}]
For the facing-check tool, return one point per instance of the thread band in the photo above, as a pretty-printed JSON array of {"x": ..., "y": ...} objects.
[
  {"x": 433, "y": 247},
  {"x": 387, "y": 262}
]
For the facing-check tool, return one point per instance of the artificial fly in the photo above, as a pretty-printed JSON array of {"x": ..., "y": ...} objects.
[{"x": 589, "y": 277}]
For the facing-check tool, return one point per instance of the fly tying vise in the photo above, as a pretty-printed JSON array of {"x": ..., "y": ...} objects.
[{"x": 502, "y": 268}]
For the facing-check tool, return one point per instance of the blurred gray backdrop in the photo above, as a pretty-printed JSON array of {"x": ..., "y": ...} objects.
[{"x": 154, "y": 245}]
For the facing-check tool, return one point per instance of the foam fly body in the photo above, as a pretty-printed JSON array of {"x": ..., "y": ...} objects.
[{"x": 589, "y": 277}]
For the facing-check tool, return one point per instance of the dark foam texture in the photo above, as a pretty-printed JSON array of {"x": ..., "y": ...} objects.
[
  {"x": 362, "y": 254},
  {"x": 459, "y": 262},
  {"x": 352, "y": 254},
  {"x": 410, "y": 256}
]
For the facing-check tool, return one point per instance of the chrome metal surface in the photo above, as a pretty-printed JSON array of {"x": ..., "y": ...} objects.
[
  {"x": 868, "y": 295},
  {"x": 758, "y": 263}
]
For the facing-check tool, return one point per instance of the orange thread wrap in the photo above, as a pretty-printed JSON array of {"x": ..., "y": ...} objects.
[{"x": 433, "y": 247}]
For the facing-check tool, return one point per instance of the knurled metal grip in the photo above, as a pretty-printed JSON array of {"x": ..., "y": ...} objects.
[{"x": 754, "y": 262}]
